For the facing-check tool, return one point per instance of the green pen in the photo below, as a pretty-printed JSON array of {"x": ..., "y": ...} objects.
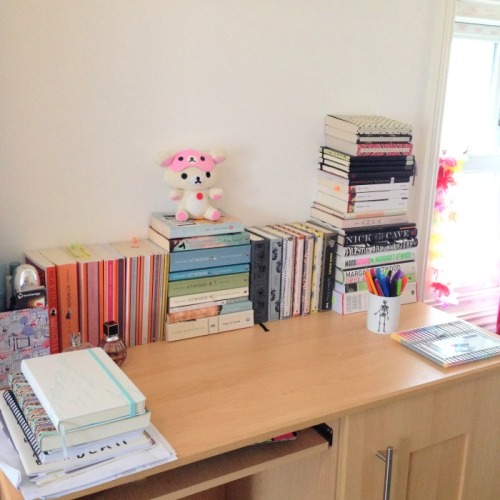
[{"x": 398, "y": 287}]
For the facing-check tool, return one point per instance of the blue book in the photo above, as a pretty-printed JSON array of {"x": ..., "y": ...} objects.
[
  {"x": 210, "y": 257},
  {"x": 208, "y": 271}
]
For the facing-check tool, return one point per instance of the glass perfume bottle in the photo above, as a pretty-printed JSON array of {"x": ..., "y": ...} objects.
[
  {"x": 76, "y": 343},
  {"x": 112, "y": 343}
]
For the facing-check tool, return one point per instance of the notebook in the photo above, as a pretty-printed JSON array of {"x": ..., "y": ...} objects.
[
  {"x": 82, "y": 389},
  {"x": 450, "y": 344}
]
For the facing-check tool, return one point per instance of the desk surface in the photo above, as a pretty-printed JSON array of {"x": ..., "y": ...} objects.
[
  {"x": 212, "y": 394},
  {"x": 209, "y": 395}
]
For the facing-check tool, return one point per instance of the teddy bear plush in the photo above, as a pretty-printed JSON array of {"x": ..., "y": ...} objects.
[{"x": 192, "y": 176}]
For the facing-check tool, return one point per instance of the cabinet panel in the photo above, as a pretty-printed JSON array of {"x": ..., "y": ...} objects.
[{"x": 445, "y": 443}]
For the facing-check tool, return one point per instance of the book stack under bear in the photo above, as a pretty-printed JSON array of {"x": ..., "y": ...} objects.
[{"x": 209, "y": 274}]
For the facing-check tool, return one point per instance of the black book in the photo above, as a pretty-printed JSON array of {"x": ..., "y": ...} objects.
[
  {"x": 366, "y": 177},
  {"x": 340, "y": 156},
  {"x": 387, "y": 232}
]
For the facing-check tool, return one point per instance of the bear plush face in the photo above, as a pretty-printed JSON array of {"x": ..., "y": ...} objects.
[{"x": 191, "y": 170}]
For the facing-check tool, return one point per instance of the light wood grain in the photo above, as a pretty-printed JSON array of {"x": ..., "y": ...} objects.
[{"x": 211, "y": 395}]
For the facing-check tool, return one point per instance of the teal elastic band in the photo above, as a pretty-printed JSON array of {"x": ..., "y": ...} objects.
[{"x": 115, "y": 381}]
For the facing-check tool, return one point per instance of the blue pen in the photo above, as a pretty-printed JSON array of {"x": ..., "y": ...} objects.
[{"x": 381, "y": 280}]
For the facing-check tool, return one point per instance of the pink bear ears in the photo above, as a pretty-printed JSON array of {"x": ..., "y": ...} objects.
[{"x": 190, "y": 158}]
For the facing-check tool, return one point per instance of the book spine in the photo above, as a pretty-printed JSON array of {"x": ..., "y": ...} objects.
[
  {"x": 375, "y": 259},
  {"x": 354, "y": 197},
  {"x": 67, "y": 292},
  {"x": 197, "y": 298},
  {"x": 360, "y": 206},
  {"x": 199, "y": 242},
  {"x": 365, "y": 248},
  {"x": 338, "y": 222},
  {"x": 209, "y": 271},
  {"x": 203, "y": 305},
  {"x": 210, "y": 310},
  {"x": 259, "y": 279},
  {"x": 214, "y": 283},
  {"x": 355, "y": 275},
  {"x": 93, "y": 294},
  {"x": 297, "y": 242},
  {"x": 317, "y": 260},
  {"x": 327, "y": 278},
  {"x": 374, "y": 236},
  {"x": 223, "y": 256},
  {"x": 287, "y": 273},
  {"x": 166, "y": 225},
  {"x": 48, "y": 279},
  {"x": 208, "y": 326}
]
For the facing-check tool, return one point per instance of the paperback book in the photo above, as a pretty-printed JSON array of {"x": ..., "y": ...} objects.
[{"x": 168, "y": 226}]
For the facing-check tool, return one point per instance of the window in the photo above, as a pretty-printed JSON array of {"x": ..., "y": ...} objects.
[{"x": 465, "y": 241}]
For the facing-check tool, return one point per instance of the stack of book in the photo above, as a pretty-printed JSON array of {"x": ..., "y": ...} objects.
[
  {"x": 88, "y": 285},
  {"x": 70, "y": 411},
  {"x": 296, "y": 265},
  {"x": 209, "y": 274},
  {"x": 365, "y": 171}
]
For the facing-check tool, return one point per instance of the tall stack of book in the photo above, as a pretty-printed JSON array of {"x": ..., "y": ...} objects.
[
  {"x": 365, "y": 171},
  {"x": 209, "y": 274},
  {"x": 72, "y": 410}
]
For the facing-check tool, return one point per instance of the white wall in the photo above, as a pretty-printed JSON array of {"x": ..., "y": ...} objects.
[{"x": 91, "y": 90}]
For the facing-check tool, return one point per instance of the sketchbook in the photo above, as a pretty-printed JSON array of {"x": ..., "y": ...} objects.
[{"x": 450, "y": 344}]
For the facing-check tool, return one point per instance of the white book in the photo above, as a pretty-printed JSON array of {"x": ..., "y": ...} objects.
[
  {"x": 82, "y": 389},
  {"x": 207, "y": 326}
]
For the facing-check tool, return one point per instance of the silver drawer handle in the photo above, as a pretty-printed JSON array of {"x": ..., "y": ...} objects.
[{"x": 387, "y": 458}]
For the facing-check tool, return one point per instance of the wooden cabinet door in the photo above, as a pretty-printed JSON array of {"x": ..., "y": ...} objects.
[{"x": 445, "y": 446}]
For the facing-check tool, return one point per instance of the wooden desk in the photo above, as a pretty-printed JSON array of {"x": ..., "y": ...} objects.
[{"x": 214, "y": 396}]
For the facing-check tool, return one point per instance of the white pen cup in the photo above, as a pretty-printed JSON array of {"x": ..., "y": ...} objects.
[{"x": 382, "y": 314}]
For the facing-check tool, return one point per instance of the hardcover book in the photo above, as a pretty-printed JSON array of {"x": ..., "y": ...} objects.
[
  {"x": 360, "y": 249},
  {"x": 67, "y": 293},
  {"x": 450, "y": 344},
  {"x": 287, "y": 271},
  {"x": 166, "y": 225},
  {"x": 82, "y": 388},
  {"x": 356, "y": 138},
  {"x": 332, "y": 201},
  {"x": 342, "y": 223},
  {"x": 371, "y": 176},
  {"x": 44, "y": 439},
  {"x": 358, "y": 274},
  {"x": 329, "y": 239},
  {"x": 259, "y": 277},
  {"x": 275, "y": 267},
  {"x": 375, "y": 259},
  {"x": 369, "y": 149},
  {"x": 368, "y": 124},
  {"x": 347, "y": 159},
  {"x": 386, "y": 232},
  {"x": 48, "y": 278}
]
